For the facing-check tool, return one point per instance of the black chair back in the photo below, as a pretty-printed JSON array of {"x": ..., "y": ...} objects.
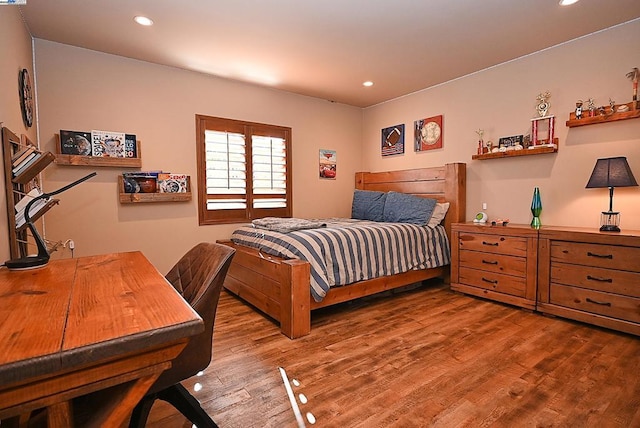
[{"x": 198, "y": 276}]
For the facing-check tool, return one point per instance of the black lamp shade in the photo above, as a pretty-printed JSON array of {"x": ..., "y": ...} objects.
[{"x": 611, "y": 172}]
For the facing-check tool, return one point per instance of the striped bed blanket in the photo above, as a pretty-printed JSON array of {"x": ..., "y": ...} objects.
[{"x": 345, "y": 251}]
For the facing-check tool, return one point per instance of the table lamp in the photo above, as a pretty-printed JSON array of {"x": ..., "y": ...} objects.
[
  {"x": 42, "y": 258},
  {"x": 611, "y": 173}
]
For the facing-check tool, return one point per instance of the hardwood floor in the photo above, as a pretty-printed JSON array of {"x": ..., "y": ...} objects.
[{"x": 424, "y": 357}]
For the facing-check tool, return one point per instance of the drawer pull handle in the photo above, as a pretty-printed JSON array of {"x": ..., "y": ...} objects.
[
  {"x": 488, "y": 262},
  {"x": 490, "y": 281},
  {"x": 492, "y": 244},
  {"x": 600, "y": 256},
  {"x": 599, "y": 303},
  {"x": 595, "y": 278}
]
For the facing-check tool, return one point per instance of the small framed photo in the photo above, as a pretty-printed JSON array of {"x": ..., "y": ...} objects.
[{"x": 512, "y": 142}]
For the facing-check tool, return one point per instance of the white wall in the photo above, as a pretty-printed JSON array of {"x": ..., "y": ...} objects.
[
  {"x": 502, "y": 100},
  {"x": 80, "y": 89}
]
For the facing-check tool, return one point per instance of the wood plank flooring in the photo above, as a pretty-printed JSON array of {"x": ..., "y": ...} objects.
[{"x": 420, "y": 358}]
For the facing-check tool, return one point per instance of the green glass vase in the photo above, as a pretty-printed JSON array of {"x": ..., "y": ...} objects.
[{"x": 536, "y": 209}]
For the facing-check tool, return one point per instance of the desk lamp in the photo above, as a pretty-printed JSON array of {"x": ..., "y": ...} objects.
[
  {"x": 42, "y": 258},
  {"x": 611, "y": 172}
]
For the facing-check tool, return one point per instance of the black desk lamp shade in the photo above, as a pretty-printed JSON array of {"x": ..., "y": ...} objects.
[
  {"x": 611, "y": 173},
  {"x": 42, "y": 258}
]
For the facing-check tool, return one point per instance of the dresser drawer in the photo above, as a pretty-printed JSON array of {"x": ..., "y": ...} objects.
[
  {"x": 605, "y": 256},
  {"x": 501, "y": 283},
  {"x": 599, "y": 279},
  {"x": 491, "y": 262},
  {"x": 596, "y": 302},
  {"x": 497, "y": 244}
]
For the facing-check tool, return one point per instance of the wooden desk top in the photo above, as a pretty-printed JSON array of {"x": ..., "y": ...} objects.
[{"x": 75, "y": 312}]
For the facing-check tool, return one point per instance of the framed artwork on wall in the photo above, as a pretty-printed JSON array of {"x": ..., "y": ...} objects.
[
  {"x": 429, "y": 133},
  {"x": 328, "y": 164},
  {"x": 393, "y": 140}
]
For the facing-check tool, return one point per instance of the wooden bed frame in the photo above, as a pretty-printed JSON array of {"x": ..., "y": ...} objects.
[{"x": 281, "y": 289}]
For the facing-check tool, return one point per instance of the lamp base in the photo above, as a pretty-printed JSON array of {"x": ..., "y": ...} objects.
[
  {"x": 31, "y": 262},
  {"x": 609, "y": 228},
  {"x": 610, "y": 221}
]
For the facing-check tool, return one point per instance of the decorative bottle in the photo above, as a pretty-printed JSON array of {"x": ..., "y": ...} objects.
[{"x": 536, "y": 209}]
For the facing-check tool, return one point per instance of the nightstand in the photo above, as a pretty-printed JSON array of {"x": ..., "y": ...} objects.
[
  {"x": 495, "y": 262},
  {"x": 591, "y": 276}
]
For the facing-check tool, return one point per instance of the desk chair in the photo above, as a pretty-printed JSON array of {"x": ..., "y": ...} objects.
[{"x": 198, "y": 276}]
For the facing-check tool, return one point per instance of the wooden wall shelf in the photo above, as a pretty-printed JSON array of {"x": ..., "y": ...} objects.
[
  {"x": 607, "y": 117},
  {"x": 76, "y": 160},
  {"x": 97, "y": 161},
  {"x": 514, "y": 153},
  {"x": 134, "y": 198}
]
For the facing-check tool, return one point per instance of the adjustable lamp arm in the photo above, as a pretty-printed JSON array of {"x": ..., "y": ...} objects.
[{"x": 43, "y": 254}]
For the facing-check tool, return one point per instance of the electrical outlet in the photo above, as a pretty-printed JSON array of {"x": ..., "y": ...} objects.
[{"x": 484, "y": 205}]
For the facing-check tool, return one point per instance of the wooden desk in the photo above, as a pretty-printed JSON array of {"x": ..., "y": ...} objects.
[{"x": 78, "y": 326}]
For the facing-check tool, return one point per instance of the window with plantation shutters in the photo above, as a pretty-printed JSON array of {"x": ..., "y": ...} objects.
[{"x": 243, "y": 170}]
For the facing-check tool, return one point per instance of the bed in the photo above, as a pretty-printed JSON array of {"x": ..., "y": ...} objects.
[{"x": 282, "y": 287}]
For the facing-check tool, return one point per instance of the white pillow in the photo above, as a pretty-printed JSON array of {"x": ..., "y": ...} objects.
[{"x": 438, "y": 214}]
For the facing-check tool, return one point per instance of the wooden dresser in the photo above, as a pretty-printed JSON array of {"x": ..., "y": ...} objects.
[
  {"x": 495, "y": 262},
  {"x": 590, "y": 276}
]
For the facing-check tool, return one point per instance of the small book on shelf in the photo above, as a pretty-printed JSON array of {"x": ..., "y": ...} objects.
[
  {"x": 140, "y": 181},
  {"x": 18, "y": 169},
  {"x": 35, "y": 208},
  {"x": 130, "y": 146},
  {"x": 172, "y": 183},
  {"x": 21, "y": 155},
  {"x": 75, "y": 143},
  {"x": 141, "y": 174},
  {"x": 108, "y": 144},
  {"x": 22, "y": 203}
]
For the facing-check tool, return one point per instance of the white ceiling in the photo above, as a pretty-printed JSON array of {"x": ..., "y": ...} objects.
[{"x": 326, "y": 48}]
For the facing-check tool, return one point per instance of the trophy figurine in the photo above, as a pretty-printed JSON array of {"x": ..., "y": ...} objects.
[
  {"x": 543, "y": 104},
  {"x": 543, "y": 126},
  {"x": 633, "y": 75}
]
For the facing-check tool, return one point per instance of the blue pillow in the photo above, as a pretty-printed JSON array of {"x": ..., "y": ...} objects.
[
  {"x": 368, "y": 205},
  {"x": 404, "y": 208}
]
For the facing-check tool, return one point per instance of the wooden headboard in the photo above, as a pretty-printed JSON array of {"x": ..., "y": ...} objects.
[{"x": 447, "y": 183}]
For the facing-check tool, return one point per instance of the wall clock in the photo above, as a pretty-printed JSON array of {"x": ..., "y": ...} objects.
[
  {"x": 428, "y": 133},
  {"x": 26, "y": 98}
]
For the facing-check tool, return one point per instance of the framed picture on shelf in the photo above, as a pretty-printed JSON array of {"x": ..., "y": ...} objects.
[
  {"x": 172, "y": 183},
  {"x": 511, "y": 143},
  {"x": 108, "y": 144},
  {"x": 130, "y": 146},
  {"x": 393, "y": 140},
  {"x": 75, "y": 143},
  {"x": 429, "y": 133}
]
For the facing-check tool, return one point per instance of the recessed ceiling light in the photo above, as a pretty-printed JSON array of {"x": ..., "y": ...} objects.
[
  {"x": 567, "y": 2},
  {"x": 143, "y": 20},
  {"x": 368, "y": 83}
]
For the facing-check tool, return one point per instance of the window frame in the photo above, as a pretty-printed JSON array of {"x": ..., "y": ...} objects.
[{"x": 241, "y": 215}]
